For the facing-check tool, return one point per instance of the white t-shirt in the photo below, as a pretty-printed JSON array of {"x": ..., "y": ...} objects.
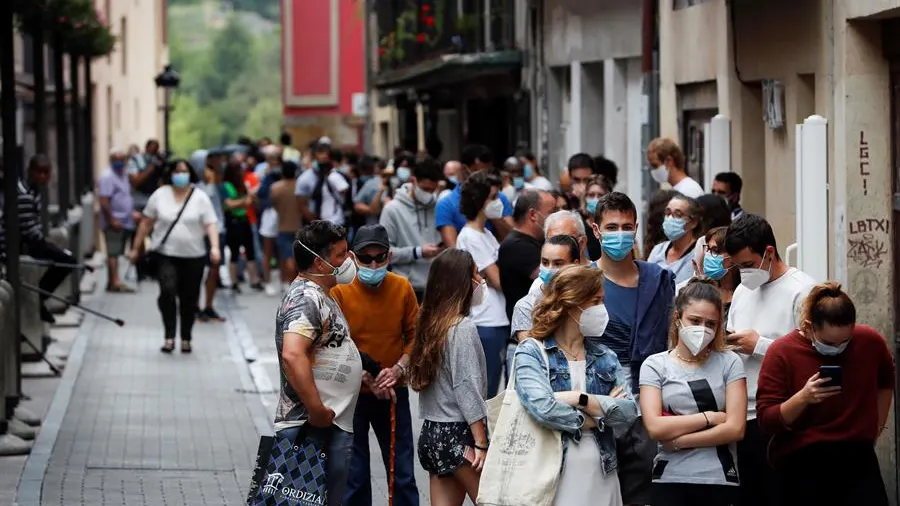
[
  {"x": 186, "y": 239},
  {"x": 332, "y": 208},
  {"x": 772, "y": 310},
  {"x": 689, "y": 188},
  {"x": 539, "y": 183},
  {"x": 484, "y": 248}
]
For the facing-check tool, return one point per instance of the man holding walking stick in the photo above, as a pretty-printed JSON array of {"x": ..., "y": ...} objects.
[{"x": 386, "y": 338}]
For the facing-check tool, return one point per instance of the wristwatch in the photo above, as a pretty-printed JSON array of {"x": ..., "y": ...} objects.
[{"x": 582, "y": 401}]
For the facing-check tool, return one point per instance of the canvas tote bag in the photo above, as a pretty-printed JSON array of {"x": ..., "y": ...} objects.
[{"x": 524, "y": 462}]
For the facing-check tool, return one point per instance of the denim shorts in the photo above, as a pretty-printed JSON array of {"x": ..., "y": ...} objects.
[{"x": 285, "y": 244}]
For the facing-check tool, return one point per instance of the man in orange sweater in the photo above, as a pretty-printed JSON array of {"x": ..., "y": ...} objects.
[{"x": 381, "y": 310}]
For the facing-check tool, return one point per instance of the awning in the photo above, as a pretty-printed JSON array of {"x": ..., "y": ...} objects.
[{"x": 449, "y": 69}]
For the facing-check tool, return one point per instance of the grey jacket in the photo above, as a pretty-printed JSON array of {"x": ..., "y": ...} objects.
[{"x": 410, "y": 225}]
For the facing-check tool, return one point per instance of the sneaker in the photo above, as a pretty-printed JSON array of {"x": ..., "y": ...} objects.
[
  {"x": 203, "y": 315},
  {"x": 271, "y": 290},
  {"x": 212, "y": 315},
  {"x": 258, "y": 286},
  {"x": 236, "y": 288},
  {"x": 46, "y": 316}
]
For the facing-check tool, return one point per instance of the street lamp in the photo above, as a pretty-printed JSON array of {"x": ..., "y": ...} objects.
[{"x": 168, "y": 80}]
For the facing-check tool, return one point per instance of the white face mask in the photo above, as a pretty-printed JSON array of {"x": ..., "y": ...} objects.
[
  {"x": 343, "y": 275},
  {"x": 755, "y": 278},
  {"x": 696, "y": 337},
  {"x": 660, "y": 174},
  {"x": 494, "y": 209},
  {"x": 593, "y": 321},
  {"x": 479, "y": 294},
  {"x": 423, "y": 197}
]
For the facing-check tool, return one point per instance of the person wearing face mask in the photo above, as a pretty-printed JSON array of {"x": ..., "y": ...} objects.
[
  {"x": 765, "y": 307},
  {"x": 715, "y": 264},
  {"x": 694, "y": 402},
  {"x": 639, "y": 300},
  {"x": 479, "y": 203},
  {"x": 387, "y": 339},
  {"x": 596, "y": 187},
  {"x": 513, "y": 181},
  {"x": 667, "y": 165},
  {"x": 531, "y": 174},
  {"x": 568, "y": 381},
  {"x": 180, "y": 216},
  {"x": 409, "y": 219},
  {"x": 814, "y": 417},
  {"x": 681, "y": 226},
  {"x": 369, "y": 199},
  {"x": 322, "y": 370},
  {"x": 116, "y": 216}
]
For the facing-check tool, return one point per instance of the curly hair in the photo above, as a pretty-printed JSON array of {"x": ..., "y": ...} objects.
[
  {"x": 571, "y": 287},
  {"x": 475, "y": 193},
  {"x": 448, "y": 298},
  {"x": 698, "y": 289}
]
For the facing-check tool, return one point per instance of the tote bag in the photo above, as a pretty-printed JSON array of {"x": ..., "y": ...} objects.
[
  {"x": 524, "y": 461},
  {"x": 289, "y": 472}
]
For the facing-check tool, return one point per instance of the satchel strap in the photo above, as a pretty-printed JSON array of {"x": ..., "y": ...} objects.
[
  {"x": 177, "y": 217},
  {"x": 511, "y": 385}
]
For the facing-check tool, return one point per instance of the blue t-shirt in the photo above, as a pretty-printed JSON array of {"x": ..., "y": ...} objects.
[
  {"x": 447, "y": 211},
  {"x": 621, "y": 303}
]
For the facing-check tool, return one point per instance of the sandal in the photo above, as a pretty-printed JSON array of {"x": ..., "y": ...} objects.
[
  {"x": 168, "y": 347},
  {"x": 185, "y": 347}
]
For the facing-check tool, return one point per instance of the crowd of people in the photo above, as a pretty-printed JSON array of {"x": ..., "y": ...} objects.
[{"x": 696, "y": 368}]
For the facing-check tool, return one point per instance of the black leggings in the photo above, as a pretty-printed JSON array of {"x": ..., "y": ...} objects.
[
  {"x": 841, "y": 473},
  {"x": 55, "y": 275},
  {"x": 691, "y": 494},
  {"x": 179, "y": 278},
  {"x": 239, "y": 233}
]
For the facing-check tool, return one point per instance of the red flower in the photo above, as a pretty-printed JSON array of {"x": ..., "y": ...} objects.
[
  {"x": 381, "y": 51},
  {"x": 421, "y": 38},
  {"x": 429, "y": 21},
  {"x": 426, "y": 8}
]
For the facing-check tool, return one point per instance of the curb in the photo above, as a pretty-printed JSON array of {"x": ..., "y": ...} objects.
[{"x": 31, "y": 481}]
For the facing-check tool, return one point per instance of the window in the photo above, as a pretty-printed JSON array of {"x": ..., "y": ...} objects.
[
  {"x": 109, "y": 118},
  {"x": 107, "y": 17},
  {"x": 28, "y": 53},
  {"x": 118, "y": 115},
  {"x": 123, "y": 46}
]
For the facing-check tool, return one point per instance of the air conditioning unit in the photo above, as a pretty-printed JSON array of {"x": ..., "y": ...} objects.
[{"x": 773, "y": 103}]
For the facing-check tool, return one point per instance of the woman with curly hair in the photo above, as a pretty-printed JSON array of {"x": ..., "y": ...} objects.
[
  {"x": 447, "y": 368},
  {"x": 569, "y": 382},
  {"x": 694, "y": 402}
]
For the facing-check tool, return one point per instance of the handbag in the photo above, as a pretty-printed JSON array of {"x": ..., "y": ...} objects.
[
  {"x": 289, "y": 471},
  {"x": 151, "y": 265},
  {"x": 524, "y": 461}
]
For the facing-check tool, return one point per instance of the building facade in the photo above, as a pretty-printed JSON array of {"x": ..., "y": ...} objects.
[
  {"x": 127, "y": 104},
  {"x": 324, "y": 70}
]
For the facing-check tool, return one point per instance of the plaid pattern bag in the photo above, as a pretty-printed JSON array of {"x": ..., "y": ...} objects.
[{"x": 289, "y": 472}]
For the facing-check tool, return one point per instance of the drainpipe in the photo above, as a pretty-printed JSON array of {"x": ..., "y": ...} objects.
[{"x": 650, "y": 69}]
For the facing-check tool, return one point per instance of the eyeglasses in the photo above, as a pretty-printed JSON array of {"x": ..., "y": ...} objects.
[{"x": 367, "y": 259}]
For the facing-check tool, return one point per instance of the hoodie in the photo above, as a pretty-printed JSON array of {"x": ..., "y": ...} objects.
[{"x": 410, "y": 225}]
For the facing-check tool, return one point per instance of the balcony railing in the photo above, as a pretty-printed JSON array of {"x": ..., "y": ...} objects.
[{"x": 413, "y": 31}]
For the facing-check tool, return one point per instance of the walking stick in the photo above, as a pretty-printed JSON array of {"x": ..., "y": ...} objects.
[{"x": 393, "y": 452}]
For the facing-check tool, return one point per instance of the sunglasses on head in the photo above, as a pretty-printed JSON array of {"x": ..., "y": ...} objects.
[{"x": 367, "y": 259}]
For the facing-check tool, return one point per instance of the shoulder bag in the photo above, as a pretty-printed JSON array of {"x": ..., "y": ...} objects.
[{"x": 152, "y": 256}]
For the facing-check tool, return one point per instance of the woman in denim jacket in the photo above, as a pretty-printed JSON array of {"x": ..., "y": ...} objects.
[{"x": 581, "y": 392}]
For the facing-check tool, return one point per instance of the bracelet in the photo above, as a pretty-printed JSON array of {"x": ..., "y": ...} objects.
[
  {"x": 402, "y": 369},
  {"x": 483, "y": 448},
  {"x": 706, "y": 418}
]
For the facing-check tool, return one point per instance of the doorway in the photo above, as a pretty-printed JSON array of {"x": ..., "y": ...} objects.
[{"x": 693, "y": 141}]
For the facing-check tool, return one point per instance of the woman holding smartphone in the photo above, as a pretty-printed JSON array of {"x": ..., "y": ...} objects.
[
  {"x": 694, "y": 402},
  {"x": 825, "y": 394},
  {"x": 448, "y": 369},
  {"x": 579, "y": 388}
]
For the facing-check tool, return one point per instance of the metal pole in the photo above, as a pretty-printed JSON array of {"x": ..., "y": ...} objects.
[
  {"x": 650, "y": 68},
  {"x": 167, "y": 108},
  {"x": 77, "y": 132},
  {"x": 39, "y": 62},
  {"x": 89, "y": 122},
  {"x": 62, "y": 133},
  {"x": 10, "y": 183}
]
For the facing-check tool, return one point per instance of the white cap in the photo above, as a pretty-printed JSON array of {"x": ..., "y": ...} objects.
[
  {"x": 325, "y": 140},
  {"x": 117, "y": 151},
  {"x": 511, "y": 161}
]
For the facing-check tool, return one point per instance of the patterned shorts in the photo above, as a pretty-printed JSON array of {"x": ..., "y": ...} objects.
[{"x": 442, "y": 446}]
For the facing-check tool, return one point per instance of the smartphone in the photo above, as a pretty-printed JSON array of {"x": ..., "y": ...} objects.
[
  {"x": 833, "y": 373},
  {"x": 469, "y": 454}
]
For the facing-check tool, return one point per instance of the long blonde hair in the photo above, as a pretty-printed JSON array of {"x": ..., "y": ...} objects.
[
  {"x": 571, "y": 287},
  {"x": 701, "y": 289}
]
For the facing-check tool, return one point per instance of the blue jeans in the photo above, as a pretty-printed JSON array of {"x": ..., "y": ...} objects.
[
  {"x": 377, "y": 413},
  {"x": 493, "y": 340},
  {"x": 340, "y": 446}
]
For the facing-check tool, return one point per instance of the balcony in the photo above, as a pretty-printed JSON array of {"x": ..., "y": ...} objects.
[{"x": 422, "y": 35}]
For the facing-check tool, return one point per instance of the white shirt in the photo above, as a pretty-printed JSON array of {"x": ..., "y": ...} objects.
[
  {"x": 484, "y": 248},
  {"x": 186, "y": 239},
  {"x": 689, "y": 188},
  {"x": 331, "y": 208},
  {"x": 773, "y": 310},
  {"x": 539, "y": 183}
]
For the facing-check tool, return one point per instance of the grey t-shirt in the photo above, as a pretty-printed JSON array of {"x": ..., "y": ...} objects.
[
  {"x": 687, "y": 391},
  {"x": 457, "y": 392}
]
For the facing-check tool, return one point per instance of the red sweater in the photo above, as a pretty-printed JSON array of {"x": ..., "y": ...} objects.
[{"x": 852, "y": 415}]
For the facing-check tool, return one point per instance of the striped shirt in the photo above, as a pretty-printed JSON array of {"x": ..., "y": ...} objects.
[{"x": 29, "y": 214}]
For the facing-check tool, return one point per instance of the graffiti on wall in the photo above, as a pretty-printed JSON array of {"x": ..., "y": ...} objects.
[{"x": 864, "y": 161}]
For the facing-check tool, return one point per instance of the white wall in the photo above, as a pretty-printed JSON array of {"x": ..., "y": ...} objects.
[{"x": 591, "y": 30}]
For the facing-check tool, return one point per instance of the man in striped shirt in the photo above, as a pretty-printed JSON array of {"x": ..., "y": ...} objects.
[{"x": 33, "y": 240}]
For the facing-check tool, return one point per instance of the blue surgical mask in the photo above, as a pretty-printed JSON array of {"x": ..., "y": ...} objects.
[
  {"x": 118, "y": 165},
  {"x": 453, "y": 179},
  {"x": 590, "y": 205},
  {"x": 829, "y": 350},
  {"x": 714, "y": 266},
  {"x": 403, "y": 174},
  {"x": 529, "y": 171},
  {"x": 372, "y": 277},
  {"x": 674, "y": 227},
  {"x": 519, "y": 183},
  {"x": 546, "y": 274},
  {"x": 181, "y": 179},
  {"x": 617, "y": 244}
]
